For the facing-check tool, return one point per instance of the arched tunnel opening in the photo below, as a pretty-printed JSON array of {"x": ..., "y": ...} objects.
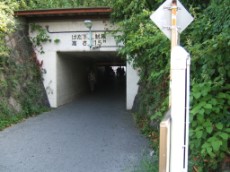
[{"x": 74, "y": 71}]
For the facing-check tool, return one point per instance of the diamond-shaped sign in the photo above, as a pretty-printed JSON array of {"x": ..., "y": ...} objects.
[{"x": 162, "y": 17}]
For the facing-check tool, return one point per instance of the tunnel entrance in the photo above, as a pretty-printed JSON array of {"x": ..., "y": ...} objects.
[
  {"x": 74, "y": 48},
  {"x": 74, "y": 69}
]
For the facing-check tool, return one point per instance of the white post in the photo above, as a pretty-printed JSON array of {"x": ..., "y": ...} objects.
[
  {"x": 174, "y": 39},
  {"x": 180, "y": 60},
  {"x": 187, "y": 111}
]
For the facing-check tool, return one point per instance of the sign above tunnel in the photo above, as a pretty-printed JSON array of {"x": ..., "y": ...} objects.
[
  {"x": 76, "y": 35},
  {"x": 82, "y": 39}
]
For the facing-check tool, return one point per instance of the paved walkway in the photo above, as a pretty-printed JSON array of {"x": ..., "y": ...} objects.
[{"x": 92, "y": 134}]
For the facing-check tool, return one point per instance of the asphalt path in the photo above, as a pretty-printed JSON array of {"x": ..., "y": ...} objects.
[{"x": 92, "y": 134}]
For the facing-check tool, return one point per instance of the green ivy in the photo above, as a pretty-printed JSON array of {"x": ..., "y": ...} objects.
[
  {"x": 208, "y": 41},
  {"x": 40, "y": 38},
  {"x": 210, "y": 129}
]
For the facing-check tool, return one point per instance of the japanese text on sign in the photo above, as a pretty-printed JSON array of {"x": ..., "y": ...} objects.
[{"x": 83, "y": 39}]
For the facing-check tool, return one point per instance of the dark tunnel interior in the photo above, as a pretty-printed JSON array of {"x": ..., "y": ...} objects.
[{"x": 81, "y": 73}]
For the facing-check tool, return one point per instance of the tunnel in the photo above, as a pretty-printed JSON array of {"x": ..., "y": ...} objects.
[
  {"x": 74, "y": 47},
  {"x": 73, "y": 74}
]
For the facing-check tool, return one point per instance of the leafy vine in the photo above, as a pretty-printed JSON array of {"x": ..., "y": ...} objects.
[{"x": 41, "y": 37}]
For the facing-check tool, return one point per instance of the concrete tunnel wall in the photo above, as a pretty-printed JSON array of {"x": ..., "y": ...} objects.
[
  {"x": 73, "y": 36},
  {"x": 132, "y": 79},
  {"x": 71, "y": 79}
]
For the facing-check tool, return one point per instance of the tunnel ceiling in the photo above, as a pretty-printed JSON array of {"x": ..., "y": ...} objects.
[{"x": 96, "y": 57}]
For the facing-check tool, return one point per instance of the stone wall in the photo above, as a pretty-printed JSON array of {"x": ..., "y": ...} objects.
[{"x": 21, "y": 88}]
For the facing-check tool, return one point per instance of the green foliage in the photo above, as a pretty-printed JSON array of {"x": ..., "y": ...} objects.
[
  {"x": 7, "y": 23},
  {"x": 209, "y": 117},
  {"x": 147, "y": 164},
  {"x": 40, "y": 38},
  {"x": 56, "y": 41},
  {"x": 19, "y": 79},
  {"x": 44, "y": 4},
  {"x": 7, "y": 8},
  {"x": 6, "y": 121},
  {"x": 6, "y": 115},
  {"x": 208, "y": 41},
  {"x": 148, "y": 50},
  {"x": 22, "y": 82}
]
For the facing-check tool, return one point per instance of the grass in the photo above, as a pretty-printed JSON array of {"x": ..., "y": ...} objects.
[
  {"x": 148, "y": 163},
  {"x": 8, "y": 120}
]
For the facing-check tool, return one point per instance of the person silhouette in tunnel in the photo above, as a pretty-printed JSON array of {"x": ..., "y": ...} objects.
[{"x": 92, "y": 80}]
